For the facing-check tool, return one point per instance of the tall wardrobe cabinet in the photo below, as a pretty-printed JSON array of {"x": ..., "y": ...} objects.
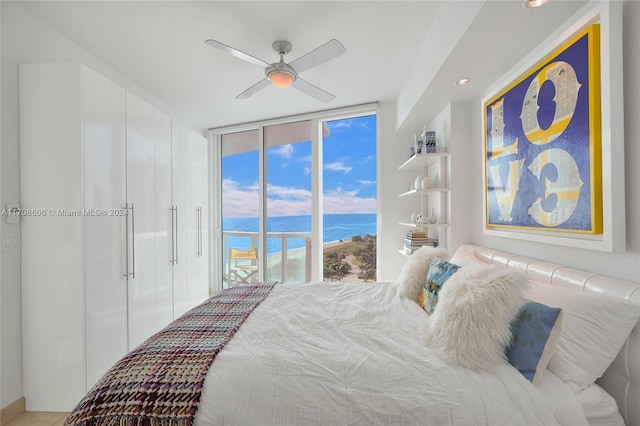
[
  {"x": 74, "y": 284},
  {"x": 197, "y": 199},
  {"x": 101, "y": 200},
  {"x": 150, "y": 293},
  {"x": 189, "y": 173}
]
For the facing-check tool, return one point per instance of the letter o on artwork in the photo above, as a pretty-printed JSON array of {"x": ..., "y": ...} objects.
[
  {"x": 566, "y": 84},
  {"x": 565, "y": 187}
]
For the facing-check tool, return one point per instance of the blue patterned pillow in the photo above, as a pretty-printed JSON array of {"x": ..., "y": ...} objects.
[
  {"x": 439, "y": 272},
  {"x": 536, "y": 331}
]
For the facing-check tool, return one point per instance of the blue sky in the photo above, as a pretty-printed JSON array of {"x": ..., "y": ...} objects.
[{"x": 349, "y": 174}]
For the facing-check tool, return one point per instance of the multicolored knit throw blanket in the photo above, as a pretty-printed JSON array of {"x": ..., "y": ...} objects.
[{"x": 159, "y": 383}]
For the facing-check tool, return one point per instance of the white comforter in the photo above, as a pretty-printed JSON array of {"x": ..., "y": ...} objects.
[{"x": 354, "y": 354}]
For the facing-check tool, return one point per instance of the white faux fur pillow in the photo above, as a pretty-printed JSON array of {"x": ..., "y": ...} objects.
[
  {"x": 414, "y": 272},
  {"x": 471, "y": 323}
]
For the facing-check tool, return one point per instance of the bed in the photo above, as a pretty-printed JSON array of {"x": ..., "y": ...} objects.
[{"x": 354, "y": 354}]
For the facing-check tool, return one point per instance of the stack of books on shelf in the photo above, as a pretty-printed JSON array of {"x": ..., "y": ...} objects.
[{"x": 416, "y": 239}]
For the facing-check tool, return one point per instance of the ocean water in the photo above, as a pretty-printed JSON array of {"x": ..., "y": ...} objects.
[{"x": 336, "y": 227}]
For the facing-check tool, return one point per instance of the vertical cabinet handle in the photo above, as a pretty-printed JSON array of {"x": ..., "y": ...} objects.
[
  {"x": 126, "y": 241},
  {"x": 173, "y": 235},
  {"x": 176, "y": 239},
  {"x": 133, "y": 242},
  {"x": 199, "y": 232}
]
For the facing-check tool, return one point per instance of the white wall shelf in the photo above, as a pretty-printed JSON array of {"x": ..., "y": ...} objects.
[
  {"x": 424, "y": 225},
  {"x": 420, "y": 192},
  {"x": 404, "y": 253},
  {"x": 420, "y": 161},
  {"x": 433, "y": 200}
]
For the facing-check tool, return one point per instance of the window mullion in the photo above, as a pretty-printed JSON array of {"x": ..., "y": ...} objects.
[
  {"x": 316, "y": 200},
  {"x": 262, "y": 189},
  {"x": 215, "y": 197}
]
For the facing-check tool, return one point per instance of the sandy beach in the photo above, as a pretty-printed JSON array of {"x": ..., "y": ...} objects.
[{"x": 352, "y": 277}]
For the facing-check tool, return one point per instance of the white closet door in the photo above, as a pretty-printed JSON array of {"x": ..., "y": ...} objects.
[
  {"x": 202, "y": 170},
  {"x": 197, "y": 178},
  {"x": 103, "y": 129},
  {"x": 142, "y": 220},
  {"x": 52, "y": 273},
  {"x": 193, "y": 225},
  {"x": 164, "y": 286},
  {"x": 179, "y": 195}
]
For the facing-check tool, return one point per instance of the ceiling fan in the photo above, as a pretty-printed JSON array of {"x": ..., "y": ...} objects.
[{"x": 282, "y": 74}]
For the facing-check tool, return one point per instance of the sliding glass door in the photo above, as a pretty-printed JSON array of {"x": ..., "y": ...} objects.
[
  {"x": 241, "y": 245},
  {"x": 283, "y": 249},
  {"x": 288, "y": 201}
]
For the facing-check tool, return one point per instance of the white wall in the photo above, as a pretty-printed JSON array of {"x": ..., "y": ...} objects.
[
  {"x": 26, "y": 38},
  {"x": 625, "y": 265},
  {"x": 453, "y": 127},
  {"x": 449, "y": 26},
  {"x": 393, "y": 150}
]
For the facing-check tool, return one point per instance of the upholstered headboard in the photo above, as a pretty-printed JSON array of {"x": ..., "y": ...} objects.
[{"x": 622, "y": 379}]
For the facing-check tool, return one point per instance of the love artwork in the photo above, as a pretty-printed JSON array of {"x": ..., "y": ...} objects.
[{"x": 543, "y": 144}]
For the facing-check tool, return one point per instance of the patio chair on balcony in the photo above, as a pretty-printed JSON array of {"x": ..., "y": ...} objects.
[{"x": 243, "y": 266}]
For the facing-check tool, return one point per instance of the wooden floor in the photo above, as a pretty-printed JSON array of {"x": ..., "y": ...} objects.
[{"x": 32, "y": 418}]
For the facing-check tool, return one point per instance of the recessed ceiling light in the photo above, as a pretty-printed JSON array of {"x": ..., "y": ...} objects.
[
  {"x": 532, "y": 4},
  {"x": 463, "y": 81}
]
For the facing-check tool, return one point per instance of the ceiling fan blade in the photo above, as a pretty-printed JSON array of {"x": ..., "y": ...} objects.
[
  {"x": 235, "y": 52},
  {"x": 313, "y": 91},
  {"x": 253, "y": 89},
  {"x": 324, "y": 53}
]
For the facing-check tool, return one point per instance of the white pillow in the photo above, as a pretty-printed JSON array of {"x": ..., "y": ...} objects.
[
  {"x": 471, "y": 324},
  {"x": 594, "y": 329},
  {"x": 414, "y": 272}
]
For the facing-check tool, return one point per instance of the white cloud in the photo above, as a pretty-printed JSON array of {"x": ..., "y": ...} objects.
[
  {"x": 366, "y": 182},
  {"x": 339, "y": 192},
  {"x": 284, "y": 151},
  {"x": 341, "y": 124},
  {"x": 288, "y": 201},
  {"x": 283, "y": 192},
  {"x": 363, "y": 124},
  {"x": 240, "y": 201},
  {"x": 368, "y": 159},
  {"x": 338, "y": 166},
  {"x": 339, "y": 201},
  {"x": 288, "y": 208}
]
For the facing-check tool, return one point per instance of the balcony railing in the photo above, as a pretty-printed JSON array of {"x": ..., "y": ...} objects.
[{"x": 288, "y": 255}]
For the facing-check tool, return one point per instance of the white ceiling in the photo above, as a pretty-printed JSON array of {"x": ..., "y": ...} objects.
[{"x": 159, "y": 46}]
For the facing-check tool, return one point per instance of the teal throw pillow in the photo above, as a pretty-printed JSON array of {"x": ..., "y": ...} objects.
[
  {"x": 439, "y": 272},
  {"x": 536, "y": 331}
]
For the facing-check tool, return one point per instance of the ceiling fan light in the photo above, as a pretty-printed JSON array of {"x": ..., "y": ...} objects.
[{"x": 281, "y": 79}]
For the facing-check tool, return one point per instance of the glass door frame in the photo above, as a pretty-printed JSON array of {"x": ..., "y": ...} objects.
[{"x": 215, "y": 177}]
